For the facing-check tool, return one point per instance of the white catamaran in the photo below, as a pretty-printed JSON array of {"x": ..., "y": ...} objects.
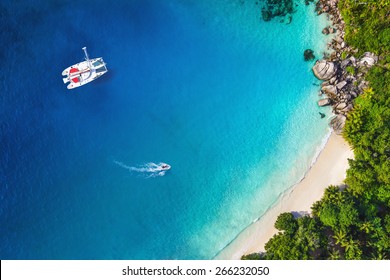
[{"x": 84, "y": 72}]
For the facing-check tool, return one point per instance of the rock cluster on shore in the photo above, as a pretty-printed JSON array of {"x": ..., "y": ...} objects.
[{"x": 342, "y": 72}]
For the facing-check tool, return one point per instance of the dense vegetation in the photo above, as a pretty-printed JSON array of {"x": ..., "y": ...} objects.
[
  {"x": 352, "y": 222},
  {"x": 367, "y": 24}
]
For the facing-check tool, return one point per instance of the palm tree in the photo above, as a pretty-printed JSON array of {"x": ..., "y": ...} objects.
[
  {"x": 340, "y": 237},
  {"x": 379, "y": 256},
  {"x": 335, "y": 255},
  {"x": 352, "y": 250},
  {"x": 366, "y": 226},
  {"x": 332, "y": 193}
]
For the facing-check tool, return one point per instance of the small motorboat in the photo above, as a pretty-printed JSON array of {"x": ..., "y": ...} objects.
[{"x": 163, "y": 166}]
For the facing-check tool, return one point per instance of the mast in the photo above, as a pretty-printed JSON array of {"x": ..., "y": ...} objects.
[
  {"x": 89, "y": 62},
  {"x": 87, "y": 58}
]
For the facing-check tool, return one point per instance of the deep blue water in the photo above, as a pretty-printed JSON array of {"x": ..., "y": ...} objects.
[{"x": 209, "y": 88}]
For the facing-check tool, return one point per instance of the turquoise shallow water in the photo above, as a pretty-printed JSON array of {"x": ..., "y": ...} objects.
[{"x": 209, "y": 88}]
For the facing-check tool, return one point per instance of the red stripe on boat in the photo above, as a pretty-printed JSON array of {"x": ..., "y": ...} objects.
[{"x": 74, "y": 70}]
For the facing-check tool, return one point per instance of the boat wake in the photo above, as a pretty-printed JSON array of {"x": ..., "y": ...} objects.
[{"x": 149, "y": 170}]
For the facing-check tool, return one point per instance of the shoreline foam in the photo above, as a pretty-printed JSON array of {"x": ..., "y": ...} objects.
[{"x": 329, "y": 169}]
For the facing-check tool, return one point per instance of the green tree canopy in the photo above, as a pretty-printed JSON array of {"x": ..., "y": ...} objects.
[{"x": 286, "y": 222}]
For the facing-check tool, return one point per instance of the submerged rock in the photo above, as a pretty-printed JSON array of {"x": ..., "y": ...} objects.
[
  {"x": 289, "y": 19},
  {"x": 266, "y": 15},
  {"x": 308, "y": 55},
  {"x": 324, "y": 70},
  {"x": 276, "y": 8},
  {"x": 325, "y": 31}
]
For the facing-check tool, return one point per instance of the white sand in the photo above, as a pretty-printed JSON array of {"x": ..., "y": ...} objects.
[{"x": 329, "y": 169}]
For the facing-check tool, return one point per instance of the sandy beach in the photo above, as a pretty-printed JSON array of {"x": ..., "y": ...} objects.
[{"x": 329, "y": 169}]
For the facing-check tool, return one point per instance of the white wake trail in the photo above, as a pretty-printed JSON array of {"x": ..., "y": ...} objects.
[{"x": 150, "y": 169}]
